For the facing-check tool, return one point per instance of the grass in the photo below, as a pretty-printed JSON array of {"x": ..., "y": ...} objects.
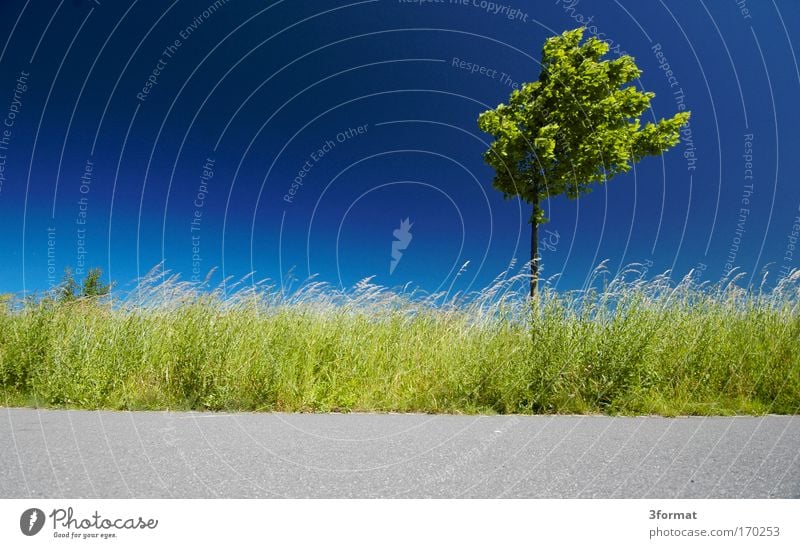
[{"x": 638, "y": 346}]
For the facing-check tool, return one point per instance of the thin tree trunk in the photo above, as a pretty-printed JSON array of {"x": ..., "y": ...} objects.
[{"x": 534, "y": 253}]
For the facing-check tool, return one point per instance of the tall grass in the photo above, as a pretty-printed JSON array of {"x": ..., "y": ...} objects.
[{"x": 636, "y": 346}]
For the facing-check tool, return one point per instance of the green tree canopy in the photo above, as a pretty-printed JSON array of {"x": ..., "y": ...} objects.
[
  {"x": 578, "y": 124},
  {"x": 91, "y": 286}
]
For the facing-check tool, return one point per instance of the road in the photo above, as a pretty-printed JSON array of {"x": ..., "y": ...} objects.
[{"x": 80, "y": 454}]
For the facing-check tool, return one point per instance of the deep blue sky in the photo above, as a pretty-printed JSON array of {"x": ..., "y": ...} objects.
[{"x": 257, "y": 87}]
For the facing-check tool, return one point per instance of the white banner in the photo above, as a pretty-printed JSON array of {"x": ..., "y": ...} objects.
[{"x": 402, "y": 523}]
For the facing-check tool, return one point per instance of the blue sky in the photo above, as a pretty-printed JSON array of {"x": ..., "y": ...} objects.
[{"x": 296, "y": 136}]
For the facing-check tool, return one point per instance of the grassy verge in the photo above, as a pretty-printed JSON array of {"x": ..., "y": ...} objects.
[{"x": 637, "y": 347}]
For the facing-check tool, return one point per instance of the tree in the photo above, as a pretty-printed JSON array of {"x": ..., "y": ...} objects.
[
  {"x": 68, "y": 290},
  {"x": 577, "y": 125},
  {"x": 91, "y": 286}
]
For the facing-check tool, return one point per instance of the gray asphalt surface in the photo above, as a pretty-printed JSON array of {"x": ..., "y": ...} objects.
[{"x": 76, "y": 454}]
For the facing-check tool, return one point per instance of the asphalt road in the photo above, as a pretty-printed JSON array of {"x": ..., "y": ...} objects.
[{"x": 76, "y": 454}]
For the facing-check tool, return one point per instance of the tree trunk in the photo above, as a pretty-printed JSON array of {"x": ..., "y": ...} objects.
[{"x": 534, "y": 252}]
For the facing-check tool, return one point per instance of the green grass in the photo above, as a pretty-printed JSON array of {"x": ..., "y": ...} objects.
[{"x": 636, "y": 347}]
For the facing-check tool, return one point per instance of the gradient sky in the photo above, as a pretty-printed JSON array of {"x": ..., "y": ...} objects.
[{"x": 195, "y": 169}]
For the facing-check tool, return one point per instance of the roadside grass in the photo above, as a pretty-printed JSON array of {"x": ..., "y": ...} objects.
[{"x": 636, "y": 346}]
